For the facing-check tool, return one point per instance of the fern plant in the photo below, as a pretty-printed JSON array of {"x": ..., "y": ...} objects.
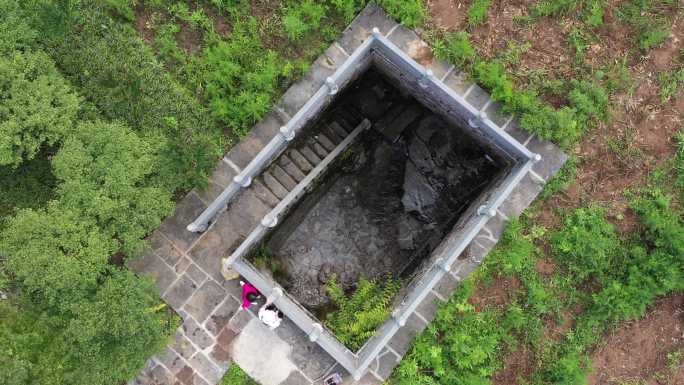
[{"x": 359, "y": 314}]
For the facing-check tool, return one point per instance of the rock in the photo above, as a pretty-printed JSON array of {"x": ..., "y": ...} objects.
[
  {"x": 420, "y": 156},
  {"x": 419, "y": 196},
  {"x": 324, "y": 273},
  {"x": 407, "y": 232}
]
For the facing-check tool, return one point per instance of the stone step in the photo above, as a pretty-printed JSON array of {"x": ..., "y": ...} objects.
[
  {"x": 272, "y": 183},
  {"x": 291, "y": 168},
  {"x": 339, "y": 130},
  {"x": 325, "y": 142},
  {"x": 285, "y": 180},
  {"x": 331, "y": 134},
  {"x": 310, "y": 155},
  {"x": 300, "y": 161},
  {"x": 397, "y": 120},
  {"x": 350, "y": 117},
  {"x": 319, "y": 150},
  {"x": 264, "y": 194}
]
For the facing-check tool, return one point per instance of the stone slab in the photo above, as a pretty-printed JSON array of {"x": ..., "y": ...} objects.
[
  {"x": 308, "y": 356},
  {"x": 150, "y": 265},
  {"x": 174, "y": 227},
  {"x": 205, "y": 300},
  {"x": 386, "y": 362},
  {"x": 477, "y": 97},
  {"x": 521, "y": 196},
  {"x": 514, "y": 130},
  {"x": 299, "y": 93},
  {"x": 358, "y": 31},
  {"x": 428, "y": 307},
  {"x": 296, "y": 378},
  {"x": 196, "y": 274},
  {"x": 179, "y": 291},
  {"x": 401, "y": 341},
  {"x": 409, "y": 42},
  {"x": 196, "y": 333},
  {"x": 458, "y": 81},
  {"x": 552, "y": 157},
  {"x": 164, "y": 249},
  {"x": 182, "y": 345},
  {"x": 218, "y": 320},
  {"x": 206, "y": 368},
  {"x": 262, "y": 133}
]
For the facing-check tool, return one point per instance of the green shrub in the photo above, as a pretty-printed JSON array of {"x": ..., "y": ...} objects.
[
  {"x": 302, "y": 17},
  {"x": 348, "y": 8},
  {"x": 562, "y": 180},
  {"x": 37, "y": 106},
  {"x": 100, "y": 339},
  {"x": 15, "y": 31},
  {"x": 455, "y": 48},
  {"x": 586, "y": 244},
  {"x": 103, "y": 169},
  {"x": 236, "y": 376},
  {"x": 670, "y": 83},
  {"x": 477, "y": 12},
  {"x": 647, "y": 20},
  {"x": 678, "y": 163},
  {"x": 409, "y": 12},
  {"x": 118, "y": 73},
  {"x": 359, "y": 314},
  {"x": 570, "y": 369},
  {"x": 553, "y": 7},
  {"x": 30, "y": 185},
  {"x": 593, "y": 12},
  {"x": 461, "y": 346},
  {"x": 56, "y": 254},
  {"x": 664, "y": 227},
  {"x": 241, "y": 77}
]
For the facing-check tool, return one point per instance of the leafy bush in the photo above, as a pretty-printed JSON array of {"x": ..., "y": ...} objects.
[
  {"x": 15, "y": 32},
  {"x": 118, "y": 73},
  {"x": 477, "y": 12},
  {"x": 101, "y": 339},
  {"x": 301, "y": 17},
  {"x": 586, "y": 244},
  {"x": 664, "y": 227},
  {"x": 37, "y": 106},
  {"x": 241, "y": 77},
  {"x": 553, "y": 7},
  {"x": 358, "y": 315},
  {"x": 670, "y": 83},
  {"x": 30, "y": 185},
  {"x": 57, "y": 255},
  {"x": 409, "y": 12},
  {"x": 348, "y": 8},
  {"x": 461, "y": 346},
  {"x": 455, "y": 48},
  {"x": 103, "y": 170},
  {"x": 646, "y": 19},
  {"x": 236, "y": 376}
]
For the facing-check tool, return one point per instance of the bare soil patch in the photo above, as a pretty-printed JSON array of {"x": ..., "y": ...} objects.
[
  {"x": 449, "y": 15},
  {"x": 495, "y": 294},
  {"x": 638, "y": 350},
  {"x": 517, "y": 368}
]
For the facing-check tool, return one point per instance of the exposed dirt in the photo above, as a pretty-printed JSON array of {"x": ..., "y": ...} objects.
[
  {"x": 517, "y": 368},
  {"x": 449, "y": 14},
  {"x": 546, "y": 266},
  {"x": 143, "y": 25},
  {"x": 638, "y": 350},
  {"x": 496, "y": 294}
]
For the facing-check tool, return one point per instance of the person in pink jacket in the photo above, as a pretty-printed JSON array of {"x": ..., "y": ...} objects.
[{"x": 249, "y": 294}]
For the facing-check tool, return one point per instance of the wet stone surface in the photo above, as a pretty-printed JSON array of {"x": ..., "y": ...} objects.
[{"x": 385, "y": 204}]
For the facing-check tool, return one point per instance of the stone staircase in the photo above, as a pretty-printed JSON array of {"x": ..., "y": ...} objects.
[{"x": 292, "y": 166}]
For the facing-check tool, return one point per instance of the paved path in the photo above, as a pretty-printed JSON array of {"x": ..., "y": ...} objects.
[{"x": 186, "y": 266}]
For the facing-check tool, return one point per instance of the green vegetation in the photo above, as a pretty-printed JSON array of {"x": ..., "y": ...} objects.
[
  {"x": 647, "y": 20},
  {"x": 477, "y": 12},
  {"x": 236, "y": 376},
  {"x": 358, "y": 315},
  {"x": 670, "y": 83}
]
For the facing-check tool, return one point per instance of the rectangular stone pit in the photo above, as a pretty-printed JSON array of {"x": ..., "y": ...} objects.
[{"x": 305, "y": 161}]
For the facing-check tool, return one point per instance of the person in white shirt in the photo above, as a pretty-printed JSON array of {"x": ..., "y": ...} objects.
[{"x": 271, "y": 316}]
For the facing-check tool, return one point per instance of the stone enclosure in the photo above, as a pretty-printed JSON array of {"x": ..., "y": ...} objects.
[{"x": 417, "y": 214}]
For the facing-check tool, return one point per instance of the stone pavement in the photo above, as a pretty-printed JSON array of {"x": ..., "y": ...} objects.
[{"x": 186, "y": 266}]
